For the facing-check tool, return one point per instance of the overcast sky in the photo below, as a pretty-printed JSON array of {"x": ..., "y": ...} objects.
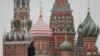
[{"x": 79, "y": 8}]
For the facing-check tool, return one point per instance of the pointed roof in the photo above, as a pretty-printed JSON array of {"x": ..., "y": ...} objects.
[
  {"x": 79, "y": 42},
  {"x": 79, "y": 48},
  {"x": 40, "y": 28}
]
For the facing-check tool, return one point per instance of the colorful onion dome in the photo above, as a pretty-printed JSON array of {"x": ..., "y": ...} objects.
[
  {"x": 40, "y": 28},
  {"x": 89, "y": 27},
  {"x": 65, "y": 46}
]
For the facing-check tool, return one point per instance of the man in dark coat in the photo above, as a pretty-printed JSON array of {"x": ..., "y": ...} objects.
[{"x": 31, "y": 49}]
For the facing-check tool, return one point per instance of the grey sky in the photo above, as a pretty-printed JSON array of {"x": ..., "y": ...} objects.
[{"x": 79, "y": 8}]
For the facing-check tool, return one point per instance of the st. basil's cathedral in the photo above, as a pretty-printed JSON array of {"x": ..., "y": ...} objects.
[{"x": 57, "y": 39}]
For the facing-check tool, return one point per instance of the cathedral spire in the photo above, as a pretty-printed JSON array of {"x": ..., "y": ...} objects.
[
  {"x": 40, "y": 28},
  {"x": 79, "y": 39},
  {"x": 90, "y": 28},
  {"x": 88, "y": 5},
  {"x": 41, "y": 11},
  {"x": 79, "y": 48}
]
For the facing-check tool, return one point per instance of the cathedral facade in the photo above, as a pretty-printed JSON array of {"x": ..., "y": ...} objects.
[{"x": 57, "y": 39}]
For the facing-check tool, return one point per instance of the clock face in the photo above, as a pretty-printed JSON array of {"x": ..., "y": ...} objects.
[
  {"x": 29, "y": 24},
  {"x": 17, "y": 24}
]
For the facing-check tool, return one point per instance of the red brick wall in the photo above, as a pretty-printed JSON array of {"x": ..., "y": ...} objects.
[
  {"x": 89, "y": 44},
  {"x": 15, "y": 49}
]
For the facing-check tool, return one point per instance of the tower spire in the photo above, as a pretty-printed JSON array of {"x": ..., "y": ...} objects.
[
  {"x": 79, "y": 48},
  {"x": 88, "y": 5},
  {"x": 41, "y": 11}
]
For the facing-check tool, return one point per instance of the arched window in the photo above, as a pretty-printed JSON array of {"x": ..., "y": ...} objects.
[
  {"x": 15, "y": 47},
  {"x": 67, "y": 17},
  {"x": 18, "y": 38},
  {"x": 23, "y": 2},
  {"x": 61, "y": 29},
  {"x": 18, "y": 2},
  {"x": 8, "y": 46},
  {"x": 22, "y": 38},
  {"x": 7, "y": 38},
  {"x": 12, "y": 38}
]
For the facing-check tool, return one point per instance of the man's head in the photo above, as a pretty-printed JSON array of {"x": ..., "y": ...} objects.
[{"x": 32, "y": 43}]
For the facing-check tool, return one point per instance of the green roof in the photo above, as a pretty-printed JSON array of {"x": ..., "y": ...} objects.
[
  {"x": 65, "y": 46},
  {"x": 89, "y": 27}
]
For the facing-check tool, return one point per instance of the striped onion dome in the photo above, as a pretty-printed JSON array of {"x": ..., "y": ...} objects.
[
  {"x": 65, "y": 46},
  {"x": 89, "y": 27},
  {"x": 40, "y": 28}
]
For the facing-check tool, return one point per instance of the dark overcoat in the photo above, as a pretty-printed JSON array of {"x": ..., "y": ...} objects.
[{"x": 31, "y": 49}]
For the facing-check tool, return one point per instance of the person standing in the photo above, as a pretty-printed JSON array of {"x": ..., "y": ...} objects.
[{"x": 31, "y": 49}]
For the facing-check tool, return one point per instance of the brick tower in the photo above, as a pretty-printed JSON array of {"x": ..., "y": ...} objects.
[
  {"x": 90, "y": 33},
  {"x": 61, "y": 21},
  {"x": 22, "y": 14},
  {"x": 15, "y": 43},
  {"x": 21, "y": 8}
]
